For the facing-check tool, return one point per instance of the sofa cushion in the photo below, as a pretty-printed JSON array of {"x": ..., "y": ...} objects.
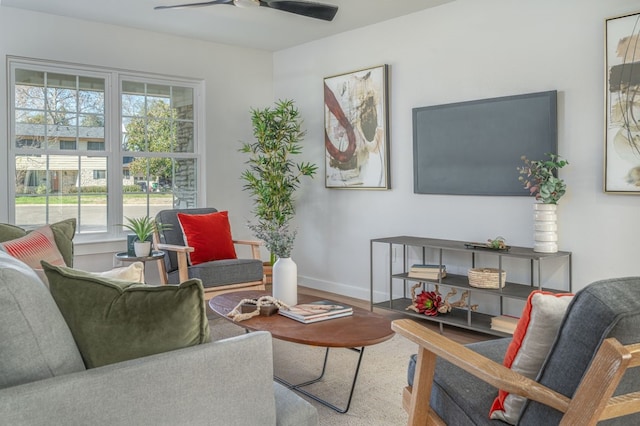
[
  {"x": 113, "y": 320},
  {"x": 532, "y": 340},
  {"x": 35, "y": 341},
  {"x": 607, "y": 308},
  {"x": 209, "y": 235},
  {"x": 63, "y": 233}
]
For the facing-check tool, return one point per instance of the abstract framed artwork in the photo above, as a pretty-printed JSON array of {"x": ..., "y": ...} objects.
[
  {"x": 622, "y": 105},
  {"x": 356, "y": 125}
]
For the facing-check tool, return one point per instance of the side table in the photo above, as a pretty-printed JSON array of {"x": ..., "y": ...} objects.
[{"x": 155, "y": 255}]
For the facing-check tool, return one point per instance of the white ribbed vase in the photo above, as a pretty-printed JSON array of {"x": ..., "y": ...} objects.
[
  {"x": 545, "y": 235},
  {"x": 285, "y": 281}
]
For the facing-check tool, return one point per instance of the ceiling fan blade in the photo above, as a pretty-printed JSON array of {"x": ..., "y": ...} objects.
[
  {"x": 206, "y": 3},
  {"x": 325, "y": 12}
]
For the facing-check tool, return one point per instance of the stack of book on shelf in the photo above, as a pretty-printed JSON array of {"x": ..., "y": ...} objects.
[
  {"x": 504, "y": 323},
  {"x": 427, "y": 272},
  {"x": 320, "y": 310}
]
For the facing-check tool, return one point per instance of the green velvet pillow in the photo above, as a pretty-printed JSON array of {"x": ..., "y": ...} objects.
[
  {"x": 63, "y": 233},
  {"x": 113, "y": 320}
]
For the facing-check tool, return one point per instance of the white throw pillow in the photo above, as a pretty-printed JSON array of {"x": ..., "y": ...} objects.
[
  {"x": 532, "y": 340},
  {"x": 133, "y": 273}
]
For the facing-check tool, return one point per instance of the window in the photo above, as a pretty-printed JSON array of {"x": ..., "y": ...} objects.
[
  {"x": 73, "y": 155},
  {"x": 68, "y": 145},
  {"x": 95, "y": 146}
]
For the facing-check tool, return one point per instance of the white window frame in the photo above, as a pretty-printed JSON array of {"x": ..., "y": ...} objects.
[{"x": 113, "y": 150}]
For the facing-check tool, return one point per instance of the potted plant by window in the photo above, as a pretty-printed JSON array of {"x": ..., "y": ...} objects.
[
  {"x": 273, "y": 176},
  {"x": 540, "y": 178},
  {"x": 143, "y": 228}
]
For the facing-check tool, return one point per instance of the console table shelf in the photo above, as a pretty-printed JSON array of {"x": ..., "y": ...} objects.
[{"x": 462, "y": 317}]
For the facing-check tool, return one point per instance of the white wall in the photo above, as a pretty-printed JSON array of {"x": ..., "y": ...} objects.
[
  {"x": 461, "y": 51},
  {"x": 235, "y": 79}
]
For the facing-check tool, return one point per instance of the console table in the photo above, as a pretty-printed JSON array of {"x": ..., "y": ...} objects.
[{"x": 431, "y": 250}]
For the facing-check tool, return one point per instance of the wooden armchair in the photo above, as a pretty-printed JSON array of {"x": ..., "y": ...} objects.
[
  {"x": 218, "y": 276},
  {"x": 588, "y": 376}
]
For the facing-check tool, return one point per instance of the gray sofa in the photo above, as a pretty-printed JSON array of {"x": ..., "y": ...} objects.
[{"x": 43, "y": 380}]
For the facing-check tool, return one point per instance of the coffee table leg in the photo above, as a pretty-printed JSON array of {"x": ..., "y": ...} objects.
[{"x": 298, "y": 387}]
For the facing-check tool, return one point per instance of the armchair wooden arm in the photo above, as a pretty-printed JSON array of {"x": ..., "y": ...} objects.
[
  {"x": 181, "y": 252},
  {"x": 255, "y": 246},
  {"x": 591, "y": 402}
]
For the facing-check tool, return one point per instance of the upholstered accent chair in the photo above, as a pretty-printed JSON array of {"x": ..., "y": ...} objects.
[
  {"x": 587, "y": 377},
  {"x": 217, "y": 276}
]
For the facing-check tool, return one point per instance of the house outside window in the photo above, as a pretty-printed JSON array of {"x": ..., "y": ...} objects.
[{"x": 73, "y": 155}]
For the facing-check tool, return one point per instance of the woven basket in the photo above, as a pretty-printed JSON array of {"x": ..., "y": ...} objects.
[{"x": 486, "y": 277}]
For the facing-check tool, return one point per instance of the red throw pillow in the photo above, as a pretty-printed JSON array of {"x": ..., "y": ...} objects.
[{"x": 209, "y": 235}]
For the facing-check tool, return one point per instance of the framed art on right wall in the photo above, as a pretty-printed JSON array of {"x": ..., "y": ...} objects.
[{"x": 622, "y": 105}]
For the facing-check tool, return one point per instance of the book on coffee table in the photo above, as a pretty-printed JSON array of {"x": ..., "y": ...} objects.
[{"x": 320, "y": 310}]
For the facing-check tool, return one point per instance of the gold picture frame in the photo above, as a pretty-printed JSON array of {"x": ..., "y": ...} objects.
[
  {"x": 356, "y": 124},
  {"x": 622, "y": 105}
]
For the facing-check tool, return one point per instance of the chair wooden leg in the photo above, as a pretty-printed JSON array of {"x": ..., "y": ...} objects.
[{"x": 421, "y": 391}]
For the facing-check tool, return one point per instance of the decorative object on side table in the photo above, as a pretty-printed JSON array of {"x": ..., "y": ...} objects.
[
  {"x": 539, "y": 177},
  {"x": 143, "y": 228},
  {"x": 249, "y": 308},
  {"x": 497, "y": 243},
  {"x": 430, "y": 303},
  {"x": 487, "y": 278},
  {"x": 272, "y": 179}
]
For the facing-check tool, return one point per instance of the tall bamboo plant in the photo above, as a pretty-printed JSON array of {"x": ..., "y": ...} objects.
[{"x": 273, "y": 176}]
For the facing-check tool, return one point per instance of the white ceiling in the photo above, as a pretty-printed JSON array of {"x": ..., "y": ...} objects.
[{"x": 259, "y": 27}]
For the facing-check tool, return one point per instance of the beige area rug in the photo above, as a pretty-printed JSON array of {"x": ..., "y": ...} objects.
[{"x": 377, "y": 399}]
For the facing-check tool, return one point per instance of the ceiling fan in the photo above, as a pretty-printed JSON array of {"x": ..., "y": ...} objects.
[{"x": 315, "y": 10}]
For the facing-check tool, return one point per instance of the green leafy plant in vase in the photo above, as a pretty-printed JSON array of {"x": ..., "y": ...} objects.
[
  {"x": 273, "y": 177},
  {"x": 539, "y": 177},
  {"x": 143, "y": 228}
]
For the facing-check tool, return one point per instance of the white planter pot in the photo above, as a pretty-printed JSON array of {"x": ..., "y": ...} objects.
[
  {"x": 285, "y": 281},
  {"x": 142, "y": 248},
  {"x": 545, "y": 235}
]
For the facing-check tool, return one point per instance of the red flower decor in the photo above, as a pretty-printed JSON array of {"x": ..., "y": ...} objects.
[{"x": 428, "y": 303}]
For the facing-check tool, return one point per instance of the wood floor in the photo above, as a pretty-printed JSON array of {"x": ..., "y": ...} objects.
[{"x": 457, "y": 334}]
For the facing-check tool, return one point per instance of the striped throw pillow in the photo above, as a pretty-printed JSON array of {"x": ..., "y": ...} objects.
[{"x": 37, "y": 245}]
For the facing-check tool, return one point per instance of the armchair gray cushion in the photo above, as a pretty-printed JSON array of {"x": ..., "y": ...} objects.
[
  {"x": 212, "y": 274},
  {"x": 459, "y": 393}
]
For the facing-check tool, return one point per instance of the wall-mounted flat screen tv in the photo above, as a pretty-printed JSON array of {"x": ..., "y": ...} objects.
[{"x": 474, "y": 147}]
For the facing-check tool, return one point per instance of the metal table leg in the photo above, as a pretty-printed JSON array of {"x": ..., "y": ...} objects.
[{"x": 298, "y": 387}]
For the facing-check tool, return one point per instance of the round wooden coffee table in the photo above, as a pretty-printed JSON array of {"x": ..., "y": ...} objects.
[{"x": 363, "y": 328}]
